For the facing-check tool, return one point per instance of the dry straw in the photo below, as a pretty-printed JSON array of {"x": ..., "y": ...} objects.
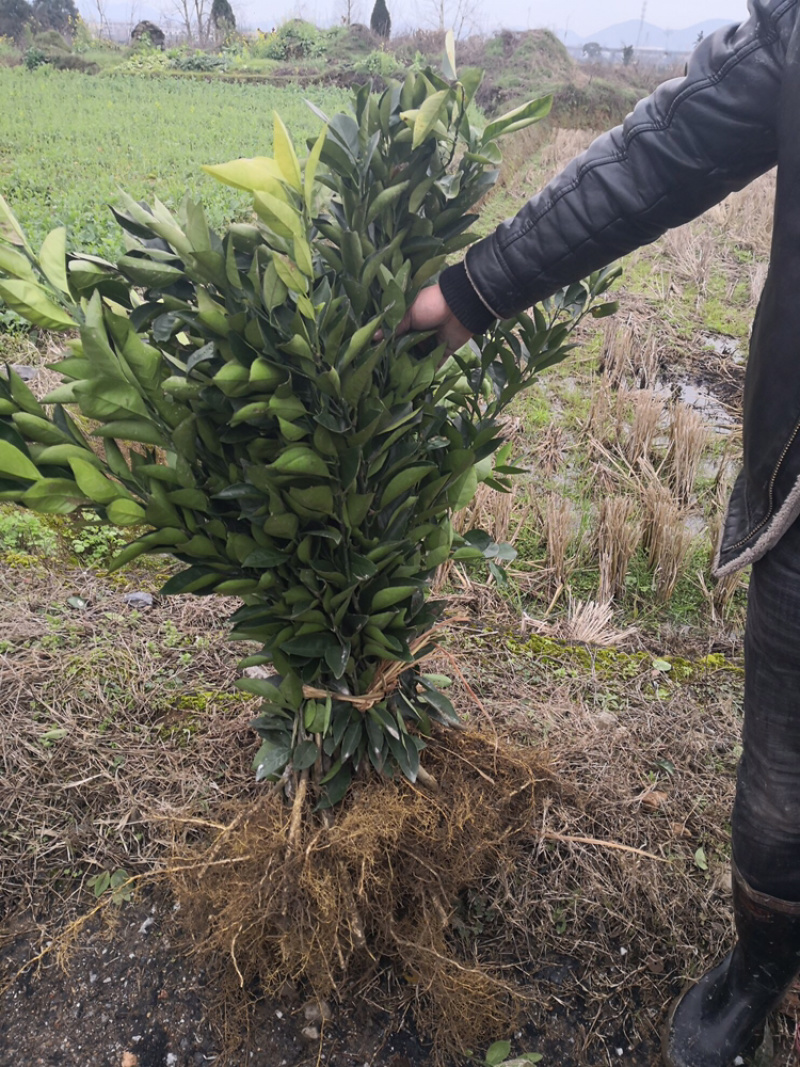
[
  {"x": 666, "y": 538},
  {"x": 559, "y": 532},
  {"x": 688, "y": 438},
  {"x": 648, "y": 410},
  {"x": 618, "y": 535}
]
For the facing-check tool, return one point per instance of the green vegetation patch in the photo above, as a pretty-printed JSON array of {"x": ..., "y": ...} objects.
[
  {"x": 611, "y": 663},
  {"x": 63, "y": 166}
]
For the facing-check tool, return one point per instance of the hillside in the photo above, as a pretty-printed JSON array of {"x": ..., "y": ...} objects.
[{"x": 646, "y": 35}]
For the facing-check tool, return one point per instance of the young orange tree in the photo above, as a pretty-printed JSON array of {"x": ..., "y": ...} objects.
[{"x": 226, "y": 399}]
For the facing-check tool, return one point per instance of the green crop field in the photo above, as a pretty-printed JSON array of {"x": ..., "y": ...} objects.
[{"x": 69, "y": 142}]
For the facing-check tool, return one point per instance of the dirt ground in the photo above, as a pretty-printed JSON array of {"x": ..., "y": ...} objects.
[{"x": 120, "y": 725}]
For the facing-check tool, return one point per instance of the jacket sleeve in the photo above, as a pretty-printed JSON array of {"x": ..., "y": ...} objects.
[{"x": 680, "y": 151}]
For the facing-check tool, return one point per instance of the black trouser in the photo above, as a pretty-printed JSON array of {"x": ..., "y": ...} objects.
[{"x": 766, "y": 815}]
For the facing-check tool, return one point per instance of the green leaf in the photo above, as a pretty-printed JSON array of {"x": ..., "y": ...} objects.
[
  {"x": 336, "y": 657},
  {"x": 30, "y": 301},
  {"x": 53, "y": 259},
  {"x": 191, "y": 580},
  {"x": 336, "y": 788},
  {"x": 285, "y": 155},
  {"x": 449, "y": 59},
  {"x": 148, "y": 274},
  {"x": 270, "y": 760},
  {"x": 91, "y": 482},
  {"x": 498, "y": 1052},
  {"x": 16, "y": 264},
  {"x": 517, "y": 119},
  {"x": 393, "y": 594},
  {"x": 385, "y": 199},
  {"x": 305, "y": 755},
  {"x": 124, "y": 512},
  {"x": 140, "y": 430},
  {"x": 15, "y": 464},
  {"x": 700, "y": 859},
  {"x": 54, "y": 496},
  {"x": 428, "y": 115},
  {"x": 311, "y": 170},
  {"x": 404, "y": 481}
]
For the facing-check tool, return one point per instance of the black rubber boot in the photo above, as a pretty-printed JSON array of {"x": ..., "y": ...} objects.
[{"x": 714, "y": 1021}]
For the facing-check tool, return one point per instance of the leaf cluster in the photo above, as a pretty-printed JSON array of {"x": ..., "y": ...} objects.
[{"x": 246, "y": 398}]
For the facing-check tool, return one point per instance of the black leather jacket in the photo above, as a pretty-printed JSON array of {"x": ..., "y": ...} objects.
[{"x": 683, "y": 149}]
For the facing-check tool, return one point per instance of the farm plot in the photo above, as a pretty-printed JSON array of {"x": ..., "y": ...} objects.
[
  {"x": 69, "y": 143},
  {"x": 609, "y": 649}
]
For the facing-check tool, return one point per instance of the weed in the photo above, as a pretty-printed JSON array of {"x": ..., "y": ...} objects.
[
  {"x": 94, "y": 544},
  {"x": 23, "y": 530}
]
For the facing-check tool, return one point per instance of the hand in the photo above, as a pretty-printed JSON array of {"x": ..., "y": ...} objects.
[{"x": 430, "y": 312}]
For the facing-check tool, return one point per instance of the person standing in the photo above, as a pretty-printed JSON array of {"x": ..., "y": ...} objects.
[{"x": 734, "y": 115}]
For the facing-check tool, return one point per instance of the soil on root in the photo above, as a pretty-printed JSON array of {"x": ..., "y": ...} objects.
[{"x": 330, "y": 904}]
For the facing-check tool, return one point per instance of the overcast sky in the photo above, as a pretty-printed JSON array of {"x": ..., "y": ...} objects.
[
  {"x": 584, "y": 17},
  {"x": 587, "y": 16}
]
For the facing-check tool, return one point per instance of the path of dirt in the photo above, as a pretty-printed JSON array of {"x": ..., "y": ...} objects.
[{"x": 130, "y": 998}]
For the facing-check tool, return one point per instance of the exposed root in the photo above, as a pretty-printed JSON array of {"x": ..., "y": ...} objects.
[{"x": 380, "y": 886}]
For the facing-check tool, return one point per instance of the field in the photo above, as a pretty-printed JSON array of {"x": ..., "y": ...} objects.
[
  {"x": 146, "y": 136},
  {"x": 610, "y": 650}
]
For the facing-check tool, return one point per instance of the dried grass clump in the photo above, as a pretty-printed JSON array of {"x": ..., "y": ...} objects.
[
  {"x": 618, "y": 348},
  {"x": 647, "y": 412},
  {"x": 692, "y": 249},
  {"x": 746, "y": 216},
  {"x": 666, "y": 538},
  {"x": 559, "y": 531},
  {"x": 687, "y": 440},
  {"x": 618, "y": 534},
  {"x": 377, "y": 885},
  {"x": 631, "y": 353}
]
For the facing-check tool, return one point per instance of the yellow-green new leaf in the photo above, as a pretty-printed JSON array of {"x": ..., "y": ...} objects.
[
  {"x": 259, "y": 173},
  {"x": 10, "y": 229},
  {"x": 285, "y": 155},
  {"x": 282, "y": 217},
  {"x": 429, "y": 114},
  {"x": 290, "y": 275},
  {"x": 517, "y": 119},
  {"x": 53, "y": 259},
  {"x": 16, "y": 264},
  {"x": 311, "y": 171},
  {"x": 15, "y": 464},
  {"x": 449, "y": 62},
  {"x": 30, "y": 301},
  {"x": 302, "y": 256}
]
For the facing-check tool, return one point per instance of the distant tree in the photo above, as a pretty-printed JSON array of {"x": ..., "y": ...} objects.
[
  {"x": 60, "y": 15},
  {"x": 460, "y": 16},
  {"x": 222, "y": 16},
  {"x": 14, "y": 17},
  {"x": 700, "y": 37},
  {"x": 349, "y": 12},
  {"x": 380, "y": 21},
  {"x": 592, "y": 50},
  {"x": 627, "y": 55}
]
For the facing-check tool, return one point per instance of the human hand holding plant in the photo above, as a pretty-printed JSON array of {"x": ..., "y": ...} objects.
[{"x": 430, "y": 312}]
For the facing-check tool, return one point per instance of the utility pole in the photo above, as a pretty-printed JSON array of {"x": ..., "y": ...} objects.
[{"x": 641, "y": 23}]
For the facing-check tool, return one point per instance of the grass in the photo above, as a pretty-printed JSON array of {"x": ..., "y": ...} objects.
[
  {"x": 148, "y": 137},
  {"x": 637, "y": 709}
]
